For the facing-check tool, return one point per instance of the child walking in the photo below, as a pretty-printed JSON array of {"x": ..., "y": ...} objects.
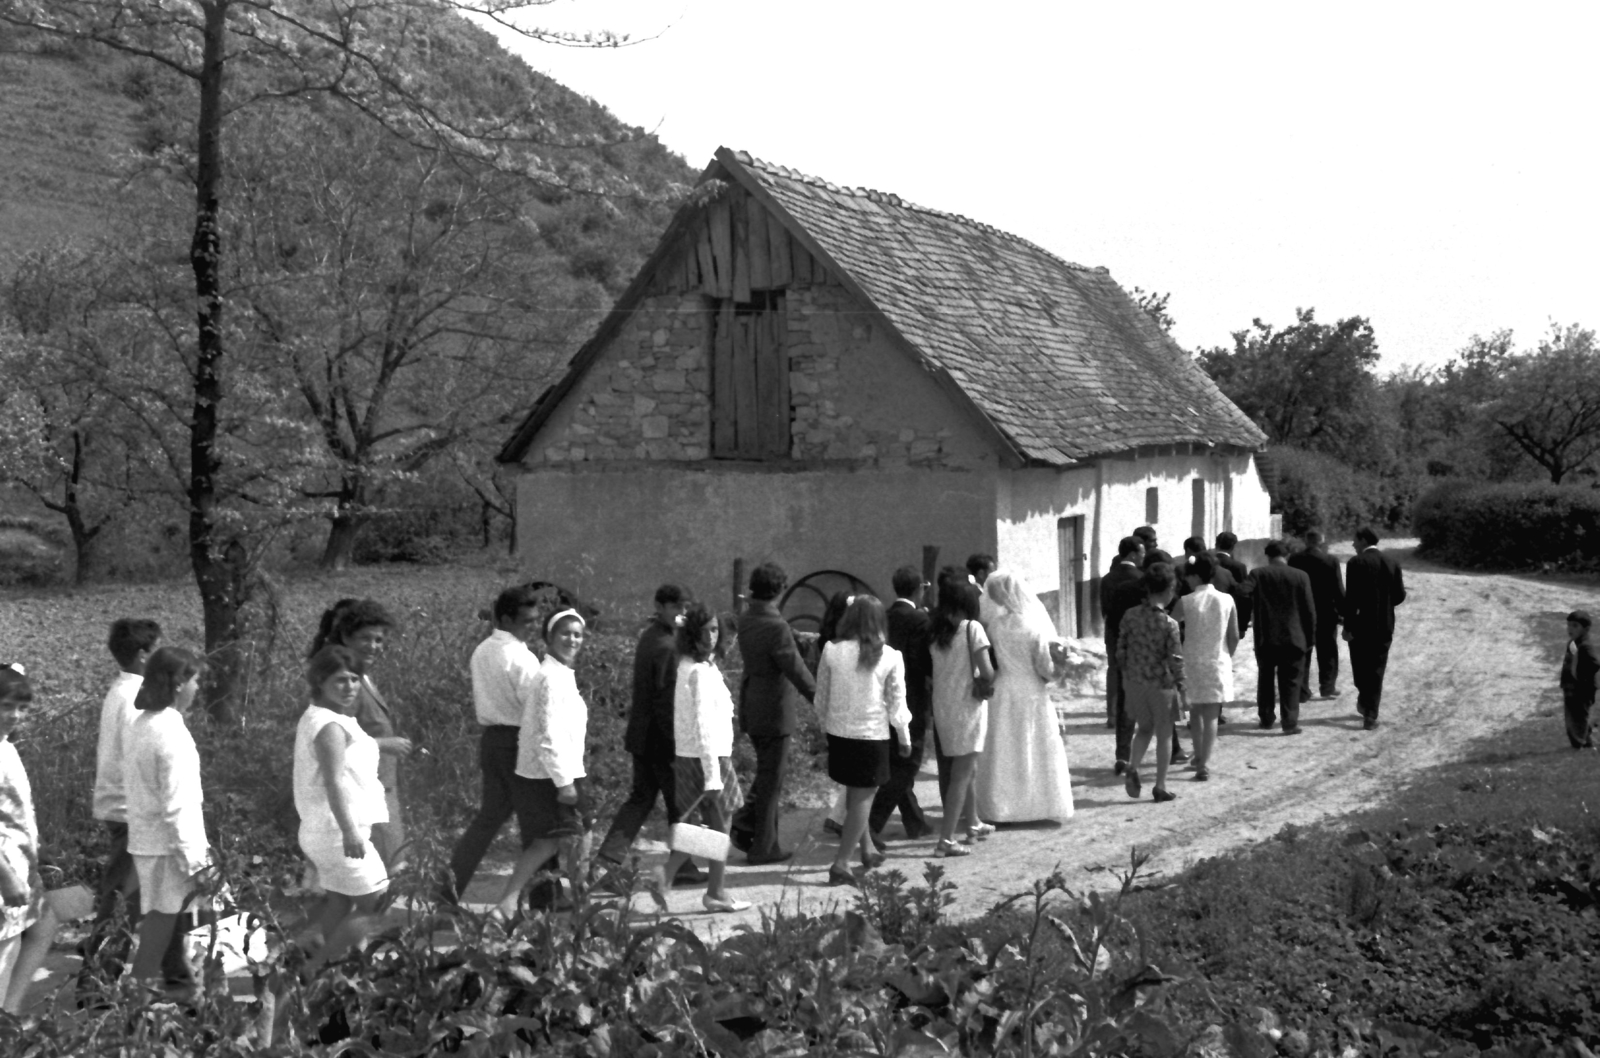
[{"x": 1150, "y": 656}]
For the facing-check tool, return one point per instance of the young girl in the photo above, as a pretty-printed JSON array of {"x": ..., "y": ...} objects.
[
  {"x": 339, "y": 798},
  {"x": 555, "y": 720},
  {"x": 363, "y": 626},
  {"x": 27, "y": 925},
  {"x": 166, "y": 821},
  {"x": 961, "y": 722},
  {"x": 861, "y": 697},
  {"x": 702, "y": 725}
]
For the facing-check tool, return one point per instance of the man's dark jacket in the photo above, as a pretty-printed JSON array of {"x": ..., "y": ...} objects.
[
  {"x": 655, "y": 681},
  {"x": 1120, "y": 591},
  {"x": 1285, "y": 614},
  {"x": 1373, "y": 587},
  {"x": 770, "y": 657},
  {"x": 1578, "y": 671},
  {"x": 910, "y": 632},
  {"x": 1327, "y": 589},
  {"x": 1241, "y": 585}
]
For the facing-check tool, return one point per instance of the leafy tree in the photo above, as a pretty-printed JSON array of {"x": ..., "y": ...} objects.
[
  {"x": 1155, "y": 306},
  {"x": 371, "y": 54},
  {"x": 1309, "y": 386},
  {"x": 1548, "y": 399}
]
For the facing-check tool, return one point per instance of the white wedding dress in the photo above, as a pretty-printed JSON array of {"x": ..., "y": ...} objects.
[{"x": 1022, "y": 775}]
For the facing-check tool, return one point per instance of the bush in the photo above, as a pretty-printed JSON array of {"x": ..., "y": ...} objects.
[
  {"x": 31, "y": 553},
  {"x": 1510, "y": 525},
  {"x": 1316, "y": 491}
]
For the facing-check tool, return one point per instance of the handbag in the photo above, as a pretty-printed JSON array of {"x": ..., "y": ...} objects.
[
  {"x": 982, "y": 686},
  {"x": 693, "y": 840}
]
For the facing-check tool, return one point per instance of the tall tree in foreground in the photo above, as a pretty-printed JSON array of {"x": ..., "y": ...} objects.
[
  {"x": 1548, "y": 401},
  {"x": 369, "y": 53}
]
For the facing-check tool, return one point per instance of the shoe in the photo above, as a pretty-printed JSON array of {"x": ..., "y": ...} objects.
[
  {"x": 874, "y": 861},
  {"x": 781, "y": 856},
  {"x": 916, "y": 832},
  {"x": 1162, "y": 795},
  {"x": 741, "y": 839},
  {"x": 1369, "y": 723},
  {"x": 833, "y": 826},
  {"x": 980, "y": 831},
  {"x": 1201, "y": 774},
  {"x": 1221, "y": 719},
  {"x": 1294, "y": 730},
  {"x": 1265, "y": 725},
  {"x": 950, "y": 848},
  {"x": 1333, "y": 693},
  {"x": 1119, "y": 767},
  {"x": 1178, "y": 755},
  {"x": 840, "y": 876},
  {"x": 878, "y": 843},
  {"x": 715, "y": 906},
  {"x": 1131, "y": 783},
  {"x": 689, "y": 875}
]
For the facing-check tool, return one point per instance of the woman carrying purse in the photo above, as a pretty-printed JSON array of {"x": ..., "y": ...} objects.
[{"x": 963, "y": 674}]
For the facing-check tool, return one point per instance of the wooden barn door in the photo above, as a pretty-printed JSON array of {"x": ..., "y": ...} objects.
[{"x": 749, "y": 379}]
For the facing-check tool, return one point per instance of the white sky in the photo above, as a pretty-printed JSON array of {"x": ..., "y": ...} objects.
[{"x": 1430, "y": 166}]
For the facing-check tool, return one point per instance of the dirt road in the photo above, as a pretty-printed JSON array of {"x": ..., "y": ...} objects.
[{"x": 1463, "y": 666}]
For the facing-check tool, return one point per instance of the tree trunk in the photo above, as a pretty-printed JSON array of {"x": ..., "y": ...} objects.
[
  {"x": 345, "y": 523},
  {"x": 217, "y": 584}
]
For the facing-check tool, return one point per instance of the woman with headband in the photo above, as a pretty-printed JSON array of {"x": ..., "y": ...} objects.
[
  {"x": 555, "y": 720},
  {"x": 27, "y": 925}
]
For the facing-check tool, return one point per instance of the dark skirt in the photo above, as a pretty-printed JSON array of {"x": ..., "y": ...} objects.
[
  {"x": 859, "y": 762},
  {"x": 689, "y": 782},
  {"x": 540, "y": 813}
]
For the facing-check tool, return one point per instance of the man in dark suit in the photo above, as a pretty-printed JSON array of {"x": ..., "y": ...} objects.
[
  {"x": 1286, "y": 626},
  {"x": 1327, "y": 591},
  {"x": 1152, "y": 549},
  {"x": 766, "y": 713},
  {"x": 1121, "y": 589},
  {"x": 1373, "y": 587},
  {"x": 649, "y": 735},
  {"x": 1578, "y": 671},
  {"x": 1223, "y": 556},
  {"x": 909, "y": 633}
]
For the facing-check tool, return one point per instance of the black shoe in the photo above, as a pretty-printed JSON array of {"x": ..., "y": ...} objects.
[
  {"x": 1178, "y": 755},
  {"x": 877, "y": 841},
  {"x": 1265, "y": 725},
  {"x": 781, "y": 856},
  {"x": 1369, "y": 723},
  {"x": 1119, "y": 767},
  {"x": 689, "y": 875},
  {"x": 916, "y": 831},
  {"x": 741, "y": 839},
  {"x": 1162, "y": 795},
  {"x": 1221, "y": 719},
  {"x": 1294, "y": 730},
  {"x": 832, "y": 826}
]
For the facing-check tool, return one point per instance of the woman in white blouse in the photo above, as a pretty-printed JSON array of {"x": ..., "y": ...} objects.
[
  {"x": 702, "y": 730},
  {"x": 861, "y": 697},
  {"x": 166, "y": 823},
  {"x": 339, "y": 796}
]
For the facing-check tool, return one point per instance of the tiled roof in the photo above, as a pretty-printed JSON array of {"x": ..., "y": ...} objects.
[{"x": 1056, "y": 355}]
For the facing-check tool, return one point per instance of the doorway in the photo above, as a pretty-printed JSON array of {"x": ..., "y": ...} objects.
[{"x": 1072, "y": 563}]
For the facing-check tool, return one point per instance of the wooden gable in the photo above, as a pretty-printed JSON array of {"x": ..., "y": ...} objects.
[{"x": 733, "y": 249}]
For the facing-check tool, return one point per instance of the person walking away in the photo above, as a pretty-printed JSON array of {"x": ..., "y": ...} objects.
[
  {"x": 706, "y": 783},
  {"x": 1024, "y": 774},
  {"x": 27, "y": 925},
  {"x": 1286, "y": 626},
  {"x": 1373, "y": 587},
  {"x": 908, "y": 632},
  {"x": 1578, "y": 671},
  {"x": 860, "y": 699},
  {"x": 544, "y": 790},
  {"x": 501, "y": 666},
  {"x": 131, "y": 642},
  {"x": 961, "y": 668},
  {"x": 767, "y": 715},
  {"x": 1210, "y": 635},
  {"x": 648, "y": 737},
  {"x": 166, "y": 821},
  {"x": 827, "y": 632},
  {"x": 1327, "y": 593},
  {"x": 1223, "y": 556},
  {"x": 1151, "y": 655},
  {"x": 1120, "y": 590},
  {"x": 979, "y": 566}
]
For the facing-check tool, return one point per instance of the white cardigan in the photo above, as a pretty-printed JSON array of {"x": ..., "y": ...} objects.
[
  {"x": 702, "y": 718},
  {"x": 853, "y": 702}
]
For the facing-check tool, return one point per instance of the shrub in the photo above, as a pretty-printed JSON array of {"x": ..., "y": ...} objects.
[
  {"x": 1510, "y": 525},
  {"x": 1317, "y": 491}
]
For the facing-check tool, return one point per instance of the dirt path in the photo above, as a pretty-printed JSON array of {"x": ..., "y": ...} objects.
[{"x": 1463, "y": 666}]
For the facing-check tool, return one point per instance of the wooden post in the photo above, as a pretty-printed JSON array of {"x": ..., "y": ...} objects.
[
  {"x": 738, "y": 585},
  {"x": 930, "y": 572}
]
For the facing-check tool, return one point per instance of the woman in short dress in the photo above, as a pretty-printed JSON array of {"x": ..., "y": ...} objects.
[
  {"x": 861, "y": 697},
  {"x": 702, "y": 727},
  {"x": 1024, "y": 776},
  {"x": 27, "y": 925},
  {"x": 1210, "y": 635},
  {"x": 166, "y": 823},
  {"x": 339, "y": 797},
  {"x": 960, "y": 650}
]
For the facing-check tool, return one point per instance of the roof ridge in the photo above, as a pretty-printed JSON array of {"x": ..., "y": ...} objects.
[{"x": 889, "y": 198}]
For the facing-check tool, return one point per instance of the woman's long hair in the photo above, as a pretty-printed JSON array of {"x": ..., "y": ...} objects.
[
  {"x": 958, "y": 601},
  {"x": 828, "y": 630},
  {"x": 691, "y": 637},
  {"x": 168, "y": 669},
  {"x": 864, "y": 621}
]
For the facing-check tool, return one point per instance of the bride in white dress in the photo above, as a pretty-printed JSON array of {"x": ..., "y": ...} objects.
[{"x": 1022, "y": 775}]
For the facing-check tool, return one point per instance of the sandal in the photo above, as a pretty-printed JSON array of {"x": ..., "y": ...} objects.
[
  {"x": 950, "y": 848},
  {"x": 874, "y": 861},
  {"x": 841, "y": 876},
  {"x": 724, "y": 905},
  {"x": 979, "y": 832}
]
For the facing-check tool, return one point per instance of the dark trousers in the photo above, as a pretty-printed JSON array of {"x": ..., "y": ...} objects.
[
  {"x": 899, "y": 792},
  {"x": 1580, "y": 731},
  {"x": 1279, "y": 669},
  {"x": 759, "y": 816},
  {"x": 497, "y": 762},
  {"x": 1369, "y": 659},
  {"x": 1327, "y": 660},
  {"x": 119, "y": 883},
  {"x": 1124, "y": 722},
  {"x": 652, "y": 776}
]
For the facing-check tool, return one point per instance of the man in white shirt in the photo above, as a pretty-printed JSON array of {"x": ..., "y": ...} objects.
[
  {"x": 497, "y": 665},
  {"x": 131, "y": 642}
]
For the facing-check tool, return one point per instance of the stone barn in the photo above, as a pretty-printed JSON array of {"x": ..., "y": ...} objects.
[{"x": 835, "y": 379}]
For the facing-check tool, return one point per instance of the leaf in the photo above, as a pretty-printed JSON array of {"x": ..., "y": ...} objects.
[
  {"x": 918, "y": 989},
  {"x": 910, "y": 1043}
]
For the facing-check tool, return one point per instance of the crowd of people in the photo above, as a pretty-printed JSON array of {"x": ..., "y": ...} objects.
[{"x": 968, "y": 681}]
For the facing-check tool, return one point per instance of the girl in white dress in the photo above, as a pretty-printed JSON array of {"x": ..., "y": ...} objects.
[
  {"x": 960, "y": 649},
  {"x": 1024, "y": 773},
  {"x": 1210, "y": 634}
]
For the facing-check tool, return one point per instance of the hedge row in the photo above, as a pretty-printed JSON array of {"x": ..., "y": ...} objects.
[
  {"x": 1511, "y": 525},
  {"x": 1316, "y": 491}
]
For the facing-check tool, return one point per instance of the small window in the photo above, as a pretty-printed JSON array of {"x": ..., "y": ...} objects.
[{"x": 1152, "y": 505}]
